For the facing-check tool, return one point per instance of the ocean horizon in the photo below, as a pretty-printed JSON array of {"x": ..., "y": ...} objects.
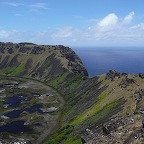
[{"x": 99, "y": 60}]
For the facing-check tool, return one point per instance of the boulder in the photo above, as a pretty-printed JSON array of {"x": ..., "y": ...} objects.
[
  {"x": 112, "y": 74},
  {"x": 106, "y": 130},
  {"x": 141, "y": 75},
  {"x": 83, "y": 141}
]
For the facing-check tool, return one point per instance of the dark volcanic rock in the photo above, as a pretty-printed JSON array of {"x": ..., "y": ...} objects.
[
  {"x": 73, "y": 59},
  {"x": 54, "y": 60},
  {"x": 124, "y": 74},
  {"x": 126, "y": 82},
  {"x": 138, "y": 98},
  {"x": 28, "y": 64},
  {"x": 24, "y": 49},
  {"x": 1, "y": 50},
  {"x": 112, "y": 74},
  {"x": 141, "y": 75},
  {"x": 4, "y": 62},
  {"x": 83, "y": 141},
  {"x": 37, "y": 50},
  {"x": 10, "y": 50},
  {"x": 14, "y": 61},
  {"x": 106, "y": 130}
]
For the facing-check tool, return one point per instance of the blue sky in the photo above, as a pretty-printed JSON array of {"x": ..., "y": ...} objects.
[{"x": 73, "y": 22}]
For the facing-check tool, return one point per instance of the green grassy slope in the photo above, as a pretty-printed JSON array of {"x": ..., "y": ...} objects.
[
  {"x": 93, "y": 102},
  {"x": 89, "y": 102},
  {"x": 43, "y": 62}
]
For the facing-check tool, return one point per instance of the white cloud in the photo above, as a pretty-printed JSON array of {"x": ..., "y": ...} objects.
[
  {"x": 39, "y": 6},
  {"x": 78, "y": 17},
  {"x": 18, "y": 15},
  {"x": 109, "y": 20},
  {"x": 139, "y": 26},
  {"x": 4, "y": 34},
  {"x": 129, "y": 17},
  {"x": 13, "y": 4},
  {"x": 65, "y": 33},
  {"x": 109, "y": 31}
]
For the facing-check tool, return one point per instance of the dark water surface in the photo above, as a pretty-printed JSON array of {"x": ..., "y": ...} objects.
[
  {"x": 32, "y": 109},
  {"x": 18, "y": 126},
  {"x": 100, "y": 60},
  {"x": 14, "y": 127},
  {"x": 15, "y": 101}
]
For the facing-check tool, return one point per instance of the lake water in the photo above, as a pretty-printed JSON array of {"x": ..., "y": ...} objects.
[
  {"x": 14, "y": 127},
  {"x": 32, "y": 109},
  {"x": 15, "y": 101},
  {"x": 100, "y": 60}
]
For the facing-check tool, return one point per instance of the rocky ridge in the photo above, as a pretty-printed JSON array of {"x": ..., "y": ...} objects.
[
  {"x": 103, "y": 109},
  {"x": 39, "y": 61}
]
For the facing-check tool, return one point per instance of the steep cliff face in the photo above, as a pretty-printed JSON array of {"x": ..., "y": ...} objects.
[
  {"x": 96, "y": 109},
  {"x": 39, "y": 61},
  {"x": 105, "y": 109}
]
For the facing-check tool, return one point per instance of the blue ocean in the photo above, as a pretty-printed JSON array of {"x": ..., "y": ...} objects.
[{"x": 100, "y": 60}]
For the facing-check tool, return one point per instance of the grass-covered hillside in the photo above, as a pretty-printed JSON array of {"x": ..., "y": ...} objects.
[
  {"x": 104, "y": 109},
  {"x": 43, "y": 62}
]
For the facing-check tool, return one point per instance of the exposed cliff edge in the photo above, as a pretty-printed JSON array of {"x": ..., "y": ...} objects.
[
  {"x": 96, "y": 109},
  {"x": 39, "y": 61}
]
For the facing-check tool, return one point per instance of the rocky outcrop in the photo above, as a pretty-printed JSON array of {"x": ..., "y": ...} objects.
[
  {"x": 122, "y": 130},
  {"x": 73, "y": 60},
  {"x": 92, "y": 105},
  {"x": 37, "y": 50},
  {"x": 112, "y": 74},
  {"x": 139, "y": 94},
  {"x": 43, "y": 62},
  {"x": 126, "y": 82},
  {"x": 141, "y": 75}
]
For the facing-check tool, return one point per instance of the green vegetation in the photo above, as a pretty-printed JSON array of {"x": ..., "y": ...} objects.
[
  {"x": 36, "y": 121},
  {"x": 96, "y": 107},
  {"x": 33, "y": 101},
  {"x": 73, "y": 139},
  {"x": 55, "y": 83},
  {"x": 105, "y": 110},
  {"x": 75, "y": 81},
  {"x": 5, "y": 71},
  {"x": 69, "y": 95},
  {"x": 17, "y": 71},
  {"x": 61, "y": 135},
  {"x": 12, "y": 71},
  {"x": 46, "y": 63},
  {"x": 27, "y": 43},
  {"x": 37, "y": 118},
  {"x": 52, "y": 65}
]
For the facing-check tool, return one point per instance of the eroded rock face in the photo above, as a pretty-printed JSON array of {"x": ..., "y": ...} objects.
[
  {"x": 23, "y": 49},
  {"x": 44, "y": 62},
  {"x": 14, "y": 61},
  {"x": 126, "y": 82},
  {"x": 139, "y": 94},
  {"x": 122, "y": 130},
  {"x": 37, "y": 50},
  {"x": 112, "y": 74},
  {"x": 127, "y": 126},
  {"x": 10, "y": 51},
  {"x": 106, "y": 130},
  {"x": 73, "y": 61},
  {"x": 1, "y": 49},
  {"x": 141, "y": 75}
]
